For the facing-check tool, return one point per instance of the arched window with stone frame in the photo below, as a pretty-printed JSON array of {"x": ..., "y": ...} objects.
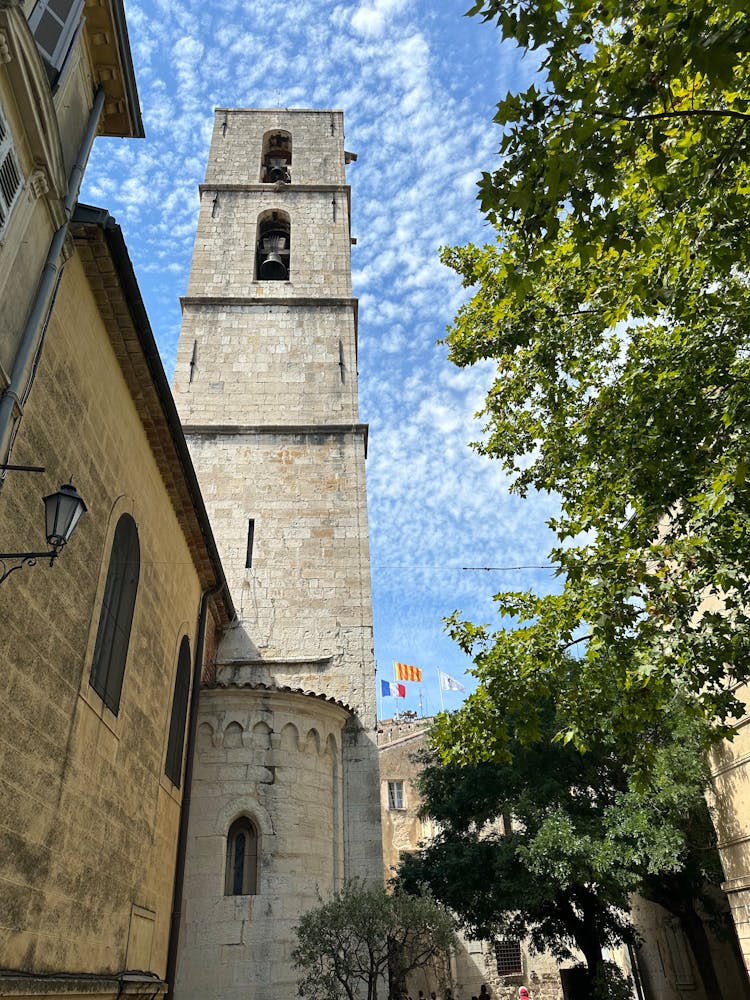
[{"x": 243, "y": 842}]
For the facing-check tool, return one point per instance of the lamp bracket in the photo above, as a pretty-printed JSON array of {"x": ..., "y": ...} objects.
[{"x": 25, "y": 559}]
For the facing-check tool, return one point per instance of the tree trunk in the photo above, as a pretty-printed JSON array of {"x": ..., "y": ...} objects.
[{"x": 591, "y": 947}]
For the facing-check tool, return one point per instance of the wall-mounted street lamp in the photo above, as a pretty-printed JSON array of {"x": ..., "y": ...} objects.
[{"x": 62, "y": 512}]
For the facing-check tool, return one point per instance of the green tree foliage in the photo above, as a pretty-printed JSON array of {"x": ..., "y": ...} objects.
[
  {"x": 551, "y": 844},
  {"x": 363, "y": 936},
  {"x": 615, "y": 301}
]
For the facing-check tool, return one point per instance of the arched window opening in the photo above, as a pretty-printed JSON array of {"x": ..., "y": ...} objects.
[
  {"x": 273, "y": 247},
  {"x": 242, "y": 859},
  {"x": 277, "y": 158},
  {"x": 116, "y": 617},
  {"x": 176, "y": 741}
]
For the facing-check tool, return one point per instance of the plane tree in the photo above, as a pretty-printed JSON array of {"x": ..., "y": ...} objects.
[
  {"x": 614, "y": 299},
  {"x": 550, "y": 842}
]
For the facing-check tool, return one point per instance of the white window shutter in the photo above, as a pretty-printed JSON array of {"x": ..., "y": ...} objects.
[{"x": 11, "y": 180}]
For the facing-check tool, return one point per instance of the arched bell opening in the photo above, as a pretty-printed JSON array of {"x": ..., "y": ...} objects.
[
  {"x": 273, "y": 246},
  {"x": 276, "y": 163}
]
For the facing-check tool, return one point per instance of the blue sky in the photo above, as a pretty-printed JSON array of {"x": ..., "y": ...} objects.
[{"x": 418, "y": 83}]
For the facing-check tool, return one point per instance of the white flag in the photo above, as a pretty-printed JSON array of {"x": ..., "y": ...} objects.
[{"x": 448, "y": 683}]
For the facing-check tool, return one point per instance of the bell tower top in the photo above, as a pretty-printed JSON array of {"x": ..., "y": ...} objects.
[
  {"x": 276, "y": 146},
  {"x": 274, "y": 218}
]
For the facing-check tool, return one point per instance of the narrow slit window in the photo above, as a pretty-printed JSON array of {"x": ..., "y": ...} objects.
[{"x": 250, "y": 540}]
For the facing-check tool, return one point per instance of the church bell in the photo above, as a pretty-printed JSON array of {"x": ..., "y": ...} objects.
[
  {"x": 272, "y": 268},
  {"x": 272, "y": 247},
  {"x": 278, "y": 171}
]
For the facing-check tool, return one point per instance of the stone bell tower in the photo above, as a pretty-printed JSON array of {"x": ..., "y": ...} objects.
[{"x": 285, "y": 796}]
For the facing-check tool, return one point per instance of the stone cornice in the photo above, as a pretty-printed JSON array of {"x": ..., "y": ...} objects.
[
  {"x": 112, "y": 63},
  {"x": 304, "y": 430},
  {"x": 276, "y": 689},
  {"x": 276, "y": 187},
  {"x": 290, "y": 663},
  {"x": 23, "y": 984},
  {"x": 259, "y": 300},
  {"x": 736, "y": 884},
  {"x": 223, "y": 429}
]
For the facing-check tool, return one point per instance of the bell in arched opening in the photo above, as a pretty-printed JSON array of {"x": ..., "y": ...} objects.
[
  {"x": 273, "y": 247},
  {"x": 277, "y": 158}
]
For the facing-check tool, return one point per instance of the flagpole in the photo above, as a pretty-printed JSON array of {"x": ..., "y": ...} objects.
[
  {"x": 440, "y": 689},
  {"x": 395, "y": 680},
  {"x": 378, "y": 697}
]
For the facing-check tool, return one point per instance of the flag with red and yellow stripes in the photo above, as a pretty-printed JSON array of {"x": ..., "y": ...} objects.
[{"x": 406, "y": 673}]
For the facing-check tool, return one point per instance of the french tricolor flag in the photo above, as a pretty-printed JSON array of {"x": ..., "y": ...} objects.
[{"x": 391, "y": 690}]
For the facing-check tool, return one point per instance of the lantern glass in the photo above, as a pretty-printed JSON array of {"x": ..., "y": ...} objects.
[{"x": 62, "y": 511}]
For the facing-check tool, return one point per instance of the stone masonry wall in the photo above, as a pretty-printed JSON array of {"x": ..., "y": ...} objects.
[
  {"x": 224, "y": 253},
  {"x": 237, "y": 142},
  {"x": 274, "y": 757},
  {"x": 88, "y": 820},
  {"x": 254, "y": 364}
]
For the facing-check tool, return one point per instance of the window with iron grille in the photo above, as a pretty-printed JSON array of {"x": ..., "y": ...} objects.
[
  {"x": 10, "y": 175},
  {"x": 395, "y": 795},
  {"x": 508, "y": 957}
]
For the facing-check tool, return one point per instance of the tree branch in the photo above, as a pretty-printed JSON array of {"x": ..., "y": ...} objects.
[
  {"x": 693, "y": 113},
  {"x": 574, "y": 642}
]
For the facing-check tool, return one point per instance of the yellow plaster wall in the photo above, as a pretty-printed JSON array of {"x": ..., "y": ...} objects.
[{"x": 88, "y": 821}]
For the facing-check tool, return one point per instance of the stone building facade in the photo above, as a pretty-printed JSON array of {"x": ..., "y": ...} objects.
[
  {"x": 99, "y": 653},
  {"x": 266, "y": 385},
  {"x": 90, "y": 791}
]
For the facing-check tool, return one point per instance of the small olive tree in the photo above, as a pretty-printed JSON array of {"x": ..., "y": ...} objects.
[{"x": 347, "y": 946}]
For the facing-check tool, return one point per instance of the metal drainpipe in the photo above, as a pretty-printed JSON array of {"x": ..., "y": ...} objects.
[
  {"x": 33, "y": 334},
  {"x": 179, "y": 874}
]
